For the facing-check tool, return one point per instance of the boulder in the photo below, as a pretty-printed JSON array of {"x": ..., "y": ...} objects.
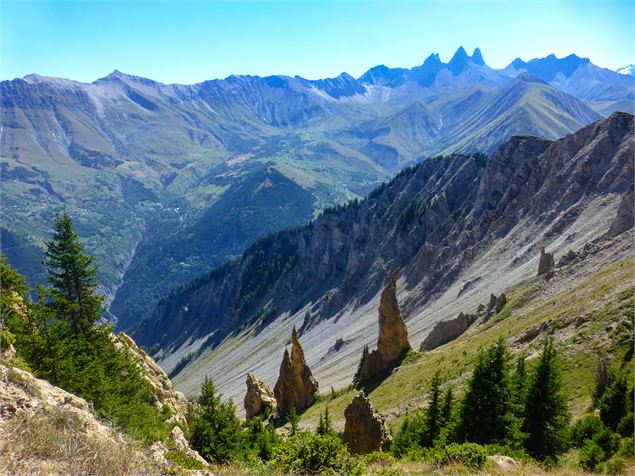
[
  {"x": 546, "y": 264},
  {"x": 446, "y": 331},
  {"x": 392, "y": 343},
  {"x": 296, "y": 387},
  {"x": 258, "y": 397},
  {"x": 365, "y": 430}
]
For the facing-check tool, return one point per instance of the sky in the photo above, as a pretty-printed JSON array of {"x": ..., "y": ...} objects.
[{"x": 188, "y": 42}]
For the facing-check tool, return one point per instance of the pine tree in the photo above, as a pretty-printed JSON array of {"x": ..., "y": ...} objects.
[
  {"x": 216, "y": 430},
  {"x": 433, "y": 414},
  {"x": 520, "y": 383},
  {"x": 613, "y": 403},
  {"x": 325, "y": 425},
  {"x": 546, "y": 414},
  {"x": 73, "y": 279},
  {"x": 486, "y": 414},
  {"x": 362, "y": 361}
]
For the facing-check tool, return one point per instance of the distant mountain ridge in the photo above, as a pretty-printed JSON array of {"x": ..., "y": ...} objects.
[{"x": 138, "y": 162}]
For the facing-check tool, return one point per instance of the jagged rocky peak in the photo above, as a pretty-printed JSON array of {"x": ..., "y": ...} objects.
[
  {"x": 392, "y": 344},
  {"x": 258, "y": 398},
  {"x": 365, "y": 429},
  {"x": 546, "y": 264},
  {"x": 477, "y": 57},
  {"x": 296, "y": 387}
]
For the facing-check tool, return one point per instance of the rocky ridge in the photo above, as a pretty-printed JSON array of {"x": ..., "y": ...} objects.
[{"x": 165, "y": 395}]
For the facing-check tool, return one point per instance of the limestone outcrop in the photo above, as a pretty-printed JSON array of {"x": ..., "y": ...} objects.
[
  {"x": 365, "y": 429},
  {"x": 546, "y": 264},
  {"x": 165, "y": 395},
  {"x": 392, "y": 343},
  {"x": 21, "y": 392},
  {"x": 446, "y": 331},
  {"x": 296, "y": 387},
  {"x": 258, "y": 397}
]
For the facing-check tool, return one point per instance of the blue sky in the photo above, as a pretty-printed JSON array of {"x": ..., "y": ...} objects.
[{"x": 189, "y": 42}]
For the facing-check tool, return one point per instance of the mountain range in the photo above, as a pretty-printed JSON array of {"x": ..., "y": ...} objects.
[{"x": 168, "y": 181}]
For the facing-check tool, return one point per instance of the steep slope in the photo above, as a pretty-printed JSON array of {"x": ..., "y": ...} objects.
[
  {"x": 456, "y": 226},
  {"x": 586, "y": 307}
]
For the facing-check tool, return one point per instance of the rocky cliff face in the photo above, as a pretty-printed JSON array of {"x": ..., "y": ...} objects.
[
  {"x": 447, "y": 222},
  {"x": 392, "y": 344},
  {"x": 296, "y": 387}
]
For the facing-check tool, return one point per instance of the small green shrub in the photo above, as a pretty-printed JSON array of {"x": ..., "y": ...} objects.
[
  {"x": 182, "y": 460},
  {"x": 471, "y": 455},
  {"x": 615, "y": 466},
  {"x": 591, "y": 456},
  {"x": 377, "y": 458},
  {"x": 591, "y": 428},
  {"x": 305, "y": 453}
]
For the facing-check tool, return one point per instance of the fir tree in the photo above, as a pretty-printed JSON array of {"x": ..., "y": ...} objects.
[
  {"x": 433, "y": 414},
  {"x": 486, "y": 414},
  {"x": 325, "y": 425},
  {"x": 73, "y": 279},
  {"x": 546, "y": 414},
  {"x": 613, "y": 403},
  {"x": 216, "y": 430}
]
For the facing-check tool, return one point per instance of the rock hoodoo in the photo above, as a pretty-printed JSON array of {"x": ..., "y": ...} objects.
[
  {"x": 546, "y": 264},
  {"x": 365, "y": 429},
  {"x": 446, "y": 331},
  {"x": 259, "y": 397},
  {"x": 393, "y": 343},
  {"x": 296, "y": 387}
]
